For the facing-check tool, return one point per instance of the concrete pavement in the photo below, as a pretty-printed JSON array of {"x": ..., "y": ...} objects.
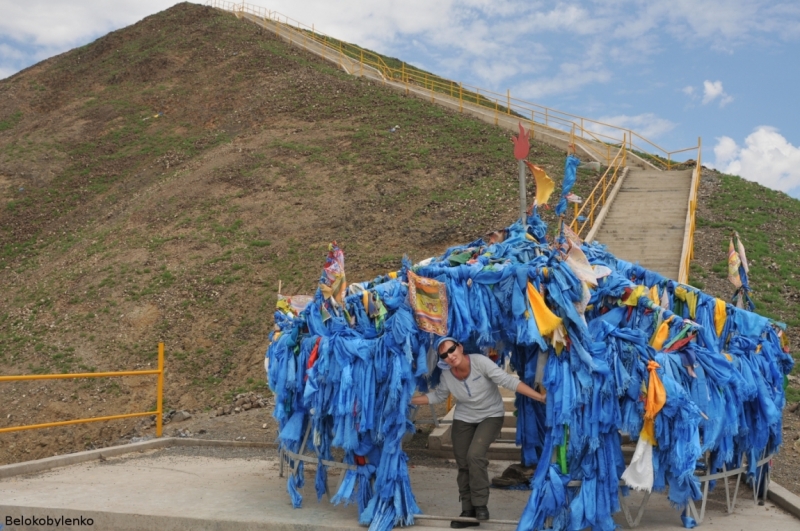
[{"x": 175, "y": 488}]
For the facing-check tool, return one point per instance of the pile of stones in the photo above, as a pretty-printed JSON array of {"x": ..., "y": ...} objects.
[{"x": 243, "y": 402}]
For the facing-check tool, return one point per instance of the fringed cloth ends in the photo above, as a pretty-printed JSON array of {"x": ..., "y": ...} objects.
[{"x": 428, "y": 298}]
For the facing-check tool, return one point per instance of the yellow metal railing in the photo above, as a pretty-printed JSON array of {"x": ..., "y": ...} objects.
[
  {"x": 687, "y": 253},
  {"x": 159, "y": 395},
  {"x": 600, "y": 138},
  {"x": 597, "y": 198}
]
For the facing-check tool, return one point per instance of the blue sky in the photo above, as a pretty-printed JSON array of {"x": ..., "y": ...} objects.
[{"x": 725, "y": 70}]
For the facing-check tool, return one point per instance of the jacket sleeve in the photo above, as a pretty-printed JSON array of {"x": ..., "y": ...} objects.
[
  {"x": 495, "y": 373},
  {"x": 440, "y": 393}
]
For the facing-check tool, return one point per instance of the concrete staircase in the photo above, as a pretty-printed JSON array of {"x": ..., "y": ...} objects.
[{"x": 646, "y": 221}]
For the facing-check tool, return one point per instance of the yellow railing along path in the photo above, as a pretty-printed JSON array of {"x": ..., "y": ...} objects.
[
  {"x": 687, "y": 253},
  {"x": 609, "y": 144},
  {"x": 600, "y": 139},
  {"x": 597, "y": 197},
  {"x": 159, "y": 395}
]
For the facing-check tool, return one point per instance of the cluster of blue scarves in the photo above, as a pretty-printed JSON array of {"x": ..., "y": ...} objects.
[{"x": 350, "y": 378}]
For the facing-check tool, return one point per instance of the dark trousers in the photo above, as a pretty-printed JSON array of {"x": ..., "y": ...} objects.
[{"x": 470, "y": 444}]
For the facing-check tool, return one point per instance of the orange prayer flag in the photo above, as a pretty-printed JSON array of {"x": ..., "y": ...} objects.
[{"x": 544, "y": 184}]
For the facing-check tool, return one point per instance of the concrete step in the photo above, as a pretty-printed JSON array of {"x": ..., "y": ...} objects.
[
  {"x": 646, "y": 222},
  {"x": 497, "y": 451},
  {"x": 440, "y": 438},
  {"x": 510, "y": 420},
  {"x": 508, "y": 403},
  {"x": 508, "y": 434}
]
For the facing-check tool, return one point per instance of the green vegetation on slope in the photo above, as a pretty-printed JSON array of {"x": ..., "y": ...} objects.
[
  {"x": 170, "y": 174},
  {"x": 769, "y": 225}
]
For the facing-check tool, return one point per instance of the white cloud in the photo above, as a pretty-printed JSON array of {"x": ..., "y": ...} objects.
[
  {"x": 570, "y": 78},
  {"x": 713, "y": 90},
  {"x": 32, "y": 31},
  {"x": 648, "y": 125},
  {"x": 767, "y": 158},
  {"x": 7, "y": 72},
  {"x": 688, "y": 90}
]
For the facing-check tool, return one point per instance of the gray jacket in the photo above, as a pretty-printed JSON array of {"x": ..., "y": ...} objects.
[{"x": 477, "y": 396}]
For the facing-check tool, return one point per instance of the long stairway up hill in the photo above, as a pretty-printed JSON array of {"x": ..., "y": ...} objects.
[{"x": 647, "y": 219}]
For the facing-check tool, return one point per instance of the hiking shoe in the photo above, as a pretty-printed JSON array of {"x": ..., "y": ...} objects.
[
  {"x": 502, "y": 482},
  {"x": 454, "y": 524},
  {"x": 482, "y": 512}
]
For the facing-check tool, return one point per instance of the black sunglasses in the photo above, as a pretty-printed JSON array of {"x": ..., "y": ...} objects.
[{"x": 444, "y": 355}]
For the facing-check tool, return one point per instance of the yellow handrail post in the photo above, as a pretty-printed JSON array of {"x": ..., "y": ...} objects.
[
  {"x": 624, "y": 151},
  {"x": 575, "y": 212},
  {"x": 160, "y": 391},
  {"x": 669, "y": 162},
  {"x": 546, "y": 118},
  {"x": 403, "y": 74},
  {"x": 699, "y": 151},
  {"x": 460, "y": 97},
  {"x": 572, "y": 136},
  {"x": 581, "y": 127}
]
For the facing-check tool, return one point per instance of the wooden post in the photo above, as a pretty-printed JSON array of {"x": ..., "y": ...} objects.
[{"x": 523, "y": 195}]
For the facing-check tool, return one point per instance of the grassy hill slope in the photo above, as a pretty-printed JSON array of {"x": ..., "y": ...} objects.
[{"x": 156, "y": 184}]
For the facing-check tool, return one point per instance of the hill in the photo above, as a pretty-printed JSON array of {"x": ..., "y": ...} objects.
[{"x": 157, "y": 184}]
